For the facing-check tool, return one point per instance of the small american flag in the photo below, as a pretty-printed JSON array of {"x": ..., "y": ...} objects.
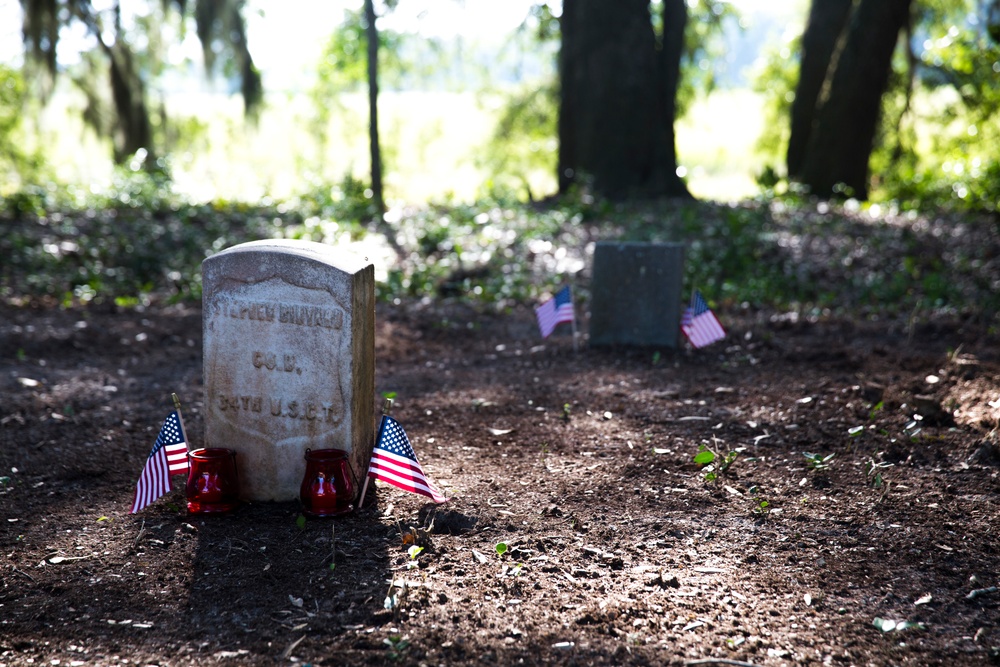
[
  {"x": 169, "y": 457},
  {"x": 699, "y": 323},
  {"x": 557, "y": 309},
  {"x": 393, "y": 461}
]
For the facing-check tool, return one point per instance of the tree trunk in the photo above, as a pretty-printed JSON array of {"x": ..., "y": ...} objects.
[
  {"x": 842, "y": 138},
  {"x": 824, "y": 29},
  {"x": 376, "y": 154},
  {"x": 617, "y": 98}
]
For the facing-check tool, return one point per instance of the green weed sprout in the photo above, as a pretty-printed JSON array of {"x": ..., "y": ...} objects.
[{"x": 818, "y": 461}]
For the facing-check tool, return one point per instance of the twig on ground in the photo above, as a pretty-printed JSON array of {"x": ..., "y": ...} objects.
[
  {"x": 291, "y": 647},
  {"x": 142, "y": 531}
]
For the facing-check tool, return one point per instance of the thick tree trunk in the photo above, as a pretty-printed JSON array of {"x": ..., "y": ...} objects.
[
  {"x": 841, "y": 141},
  {"x": 674, "y": 23},
  {"x": 615, "y": 125},
  {"x": 376, "y": 154},
  {"x": 824, "y": 29}
]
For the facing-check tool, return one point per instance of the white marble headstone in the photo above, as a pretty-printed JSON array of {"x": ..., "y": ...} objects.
[{"x": 289, "y": 360}]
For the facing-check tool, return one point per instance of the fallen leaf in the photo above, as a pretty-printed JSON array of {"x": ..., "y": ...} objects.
[
  {"x": 295, "y": 601},
  {"x": 500, "y": 431},
  {"x": 924, "y": 600},
  {"x": 481, "y": 557}
]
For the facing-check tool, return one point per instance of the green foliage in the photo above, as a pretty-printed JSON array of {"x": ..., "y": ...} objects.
[
  {"x": 130, "y": 241},
  {"x": 523, "y": 142},
  {"x": 775, "y": 77},
  {"x": 139, "y": 240},
  {"x": 19, "y": 166},
  {"x": 953, "y": 164},
  {"x": 704, "y": 49}
]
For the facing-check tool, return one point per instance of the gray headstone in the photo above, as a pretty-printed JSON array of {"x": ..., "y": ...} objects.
[
  {"x": 636, "y": 294},
  {"x": 289, "y": 360}
]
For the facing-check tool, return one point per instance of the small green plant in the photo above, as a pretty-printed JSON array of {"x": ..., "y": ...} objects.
[
  {"x": 873, "y": 474},
  {"x": 760, "y": 507},
  {"x": 396, "y": 646},
  {"x": 565, "y": 412},
  {"x": 714, "y": 464},
  {"x": 414, "y": 551},
  {"x": 501, "y": 549},
  {"x": 818, "y": 461}
]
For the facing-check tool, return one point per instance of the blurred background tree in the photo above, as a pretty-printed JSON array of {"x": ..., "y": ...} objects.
[{"x": 131, "y": 55}]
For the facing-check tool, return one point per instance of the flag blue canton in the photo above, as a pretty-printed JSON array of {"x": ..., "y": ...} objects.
[
  {"x": 563, "y": 297},
  {"x": 394, "y": 440},
  {"x": 698, "y": 305},
  {"x": 170, "y": 434}
]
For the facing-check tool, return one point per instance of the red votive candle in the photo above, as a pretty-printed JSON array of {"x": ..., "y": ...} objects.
[
  {"x": 213, "y": 484},
  {"x": 326, "y": 488}
]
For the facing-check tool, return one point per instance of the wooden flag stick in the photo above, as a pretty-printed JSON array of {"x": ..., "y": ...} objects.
[{"x": 386, "y": 407}]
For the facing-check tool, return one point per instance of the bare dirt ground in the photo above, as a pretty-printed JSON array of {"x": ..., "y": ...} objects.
[{"x": 618, "y": 550}]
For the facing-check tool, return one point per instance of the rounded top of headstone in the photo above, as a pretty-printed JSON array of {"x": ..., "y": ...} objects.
[{"x": 310, "y": 250}]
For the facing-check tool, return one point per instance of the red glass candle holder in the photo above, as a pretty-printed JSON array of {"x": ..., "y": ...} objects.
[
  {"x": 213, "y": 485},
  {"x": 326, "y": 488}
]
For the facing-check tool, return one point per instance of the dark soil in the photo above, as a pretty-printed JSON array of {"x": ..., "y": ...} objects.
[{"x": 619, "y": 551}]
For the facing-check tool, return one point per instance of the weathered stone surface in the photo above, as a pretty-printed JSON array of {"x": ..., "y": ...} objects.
[
  {"x": 636, "y": 294},
  {"x": 289, "y": 360}
]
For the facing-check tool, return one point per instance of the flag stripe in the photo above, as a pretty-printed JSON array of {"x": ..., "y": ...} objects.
[
  {"x": 413, "y": 484},
  {"x": 396, "y": 462},
  {"x": 393, "y": 461},
  {"x": 557, "y": 309},
  {"x": 700, "y": 324},
  {"x": 168, "y": 457}
]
